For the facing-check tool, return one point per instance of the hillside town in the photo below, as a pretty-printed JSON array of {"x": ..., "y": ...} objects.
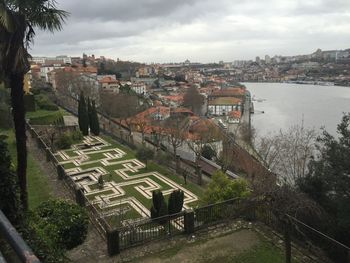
[{"x": 174, "y": 131}]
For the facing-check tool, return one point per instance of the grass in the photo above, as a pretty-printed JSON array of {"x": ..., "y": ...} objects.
[
  {"x": 43, "y": 117},
  {"x": 264, "y": 252},
  {"x": 37, "y": 183}
]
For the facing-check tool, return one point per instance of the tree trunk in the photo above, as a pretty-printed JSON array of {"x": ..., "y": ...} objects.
[{"x": 18, "y": 111}]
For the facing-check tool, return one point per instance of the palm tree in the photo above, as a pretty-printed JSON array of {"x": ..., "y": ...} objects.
[{"x": 18, "y": 19}]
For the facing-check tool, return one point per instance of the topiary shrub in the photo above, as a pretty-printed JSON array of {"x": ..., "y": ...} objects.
[
  {"x": 63, "y": 223},
  {"x": 176, "y": 201},
  {"x": 159, "y": 207}
]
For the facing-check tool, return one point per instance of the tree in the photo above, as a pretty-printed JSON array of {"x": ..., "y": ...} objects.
[
  {"x": 9, "y": 189},
  {"x": 328, "y": 182},
  {"x": 203, "y": 132},
  {"x": 94, "y": 125},
  {"x": 175, "y": 132},
  {"x": 144, "y": 154},
  {"x": 176, "y": 201},
  {"x": 287, "y": 153},
  {"x": 222, "y": 188},
  {"x": 193, "y": 99},
  {"x": 121, "y": 106},
  {"x": 17, "y": 22},
  {"x": 89, "y": 111},
  {"x": 159, "y": 206},
  {"x": 83, "y": 116}
]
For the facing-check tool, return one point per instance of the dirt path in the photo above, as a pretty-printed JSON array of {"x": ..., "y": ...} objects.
[{"x": 221, "y": 247}]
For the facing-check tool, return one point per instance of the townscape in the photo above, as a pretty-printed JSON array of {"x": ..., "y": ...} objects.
[{"x": 105, "y": 159}]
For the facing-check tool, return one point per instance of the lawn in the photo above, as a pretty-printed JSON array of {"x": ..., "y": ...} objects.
[
  {"x": 44, "y": 117},
  {"x": 126, "y": 175},
  {"x": 241, "y": 246},
  {"x": 264, "y": 252},
  {"x": 38, "y": 187}
]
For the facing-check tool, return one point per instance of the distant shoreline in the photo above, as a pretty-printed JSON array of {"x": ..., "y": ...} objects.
[{"x": 314, "y": 83}]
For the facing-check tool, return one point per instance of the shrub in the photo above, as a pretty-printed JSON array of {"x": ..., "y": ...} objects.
[
  {"x": 65, "y": 224},
  {"x": 77, "y": 136},
  {"x": 208, "y": 152},
  {"x": 176, "y": 201},
  {"x": 44, "y": 104},
  {"x": 222, "y": 188},
  {"x": 64, "y": 141},
  {"x": 159, "y": 206}
]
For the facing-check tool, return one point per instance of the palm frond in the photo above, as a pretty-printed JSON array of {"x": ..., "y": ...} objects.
[
  {"x": 44, "y": 15},
  {"x": 7, "y": 20},
  {"x": 49, "y": 19}
]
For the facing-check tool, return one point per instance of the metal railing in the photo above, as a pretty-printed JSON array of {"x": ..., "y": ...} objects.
[{"x": 13, "y": 238}]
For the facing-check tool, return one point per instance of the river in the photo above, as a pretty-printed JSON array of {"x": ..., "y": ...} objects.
[{"x": 287, "y": 104}]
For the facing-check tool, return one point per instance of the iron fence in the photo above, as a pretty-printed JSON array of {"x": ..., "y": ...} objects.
[{"x": 151, "y": 229}]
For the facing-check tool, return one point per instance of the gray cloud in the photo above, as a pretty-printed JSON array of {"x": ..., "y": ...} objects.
[{"x": 201, "y": 30}]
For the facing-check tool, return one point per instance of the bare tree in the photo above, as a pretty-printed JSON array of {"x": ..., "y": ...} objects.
[
  {"x": 202, "y": 133},
  {"x": 175, "y": 132},
  {"x": 287, "y": 153},
  {"x": 121, "y": 106},
  {"x": 193, "y": 99}
]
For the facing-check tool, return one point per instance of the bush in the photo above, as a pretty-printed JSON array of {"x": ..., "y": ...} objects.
[
  {"x": 65, "y": 224},
  {"x": 222, "y": 188},
  {"x": 64, "y": 141},
  {"x": 208, "y": 152},
  {"x": 44, "y": 104},
  {"x": 77, "y": 136}
]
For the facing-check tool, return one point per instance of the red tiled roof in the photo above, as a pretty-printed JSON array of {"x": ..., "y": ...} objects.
[{"x": 228, "y": 92}]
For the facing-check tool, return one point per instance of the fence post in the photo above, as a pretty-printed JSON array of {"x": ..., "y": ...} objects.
[
  {"x": 287, "y": 242},
  {"x": 79, "y": 196},
  {"x": 113, "y": 242},
  {"x": 60, "y": 171},
  {"x": 189, "y": 221},
  {"x": 199, "y": 174}
]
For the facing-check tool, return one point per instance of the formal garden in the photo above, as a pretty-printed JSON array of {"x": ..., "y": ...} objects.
[{"x": 119, "y": 185}]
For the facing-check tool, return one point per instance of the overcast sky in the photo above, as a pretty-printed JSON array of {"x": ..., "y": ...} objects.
[{"x": 198, "y": 30}]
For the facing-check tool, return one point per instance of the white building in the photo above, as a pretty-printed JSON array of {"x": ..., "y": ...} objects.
[
  {"x": 139, "y": 88},
  {"x": 223, "y": 105}
]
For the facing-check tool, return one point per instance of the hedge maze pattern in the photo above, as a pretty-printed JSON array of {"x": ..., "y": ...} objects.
[{"x": 126, "y": 186}]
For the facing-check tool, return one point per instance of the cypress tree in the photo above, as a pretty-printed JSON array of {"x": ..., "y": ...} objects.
[
  {"x": 83, "y": 117},
  {"x": 89, "y": 110},
  {"x": 81, "y": 97},
  {"x": 94, "y": 124}
]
